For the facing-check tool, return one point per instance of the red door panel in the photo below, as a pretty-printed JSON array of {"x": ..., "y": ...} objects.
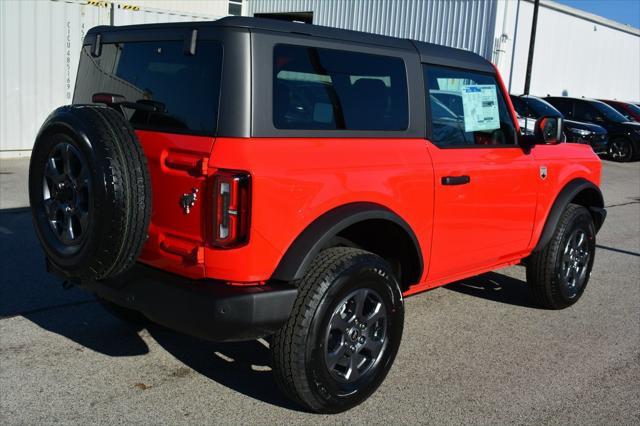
[{"x": 487, "y": 220}]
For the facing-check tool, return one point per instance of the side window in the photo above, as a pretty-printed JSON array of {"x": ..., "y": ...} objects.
[
  {"x": 585, "y": 112},
  {"x": 467, "y": 109},
  {"x": 562, "y": 105},
  {"x": 332, "y": 89}
]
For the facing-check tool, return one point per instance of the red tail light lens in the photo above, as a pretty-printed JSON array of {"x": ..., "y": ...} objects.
[{"x": 232, "y": 198}]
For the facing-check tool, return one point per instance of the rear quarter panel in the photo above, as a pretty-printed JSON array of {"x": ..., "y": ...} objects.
[{"x": 296, "y": 180}]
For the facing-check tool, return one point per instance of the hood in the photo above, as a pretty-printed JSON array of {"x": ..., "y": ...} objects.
[{"x": 625, "y": 127}]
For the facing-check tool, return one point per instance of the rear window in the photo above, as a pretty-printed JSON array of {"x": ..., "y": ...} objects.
[
  {"x": 319, "y": 89},
  {"x": 176, "y": 92}
]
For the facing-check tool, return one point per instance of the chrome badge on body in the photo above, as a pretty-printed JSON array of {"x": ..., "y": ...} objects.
[
  {"x": 188, "y": 200},
  {"x": 543, "y": 172}
]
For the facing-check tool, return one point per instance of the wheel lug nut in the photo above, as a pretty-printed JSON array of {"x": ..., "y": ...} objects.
[
  {"x": 362, "y": 325},
  {"x": 361, "y": 340},
  {"x": 352, "y": 348}
]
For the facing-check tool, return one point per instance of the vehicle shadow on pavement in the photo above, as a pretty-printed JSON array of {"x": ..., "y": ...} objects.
[
  {"x": 497, "y": 288},
  {"x": 242, "y": 366},
  {"x": 27, "y": 290}
]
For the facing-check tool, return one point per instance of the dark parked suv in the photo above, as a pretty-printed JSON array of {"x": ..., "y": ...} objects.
[
  {"x": 629, "y": 110},
  {"x": 530, "y": 108},
  {"x": 624, "y": 136}
]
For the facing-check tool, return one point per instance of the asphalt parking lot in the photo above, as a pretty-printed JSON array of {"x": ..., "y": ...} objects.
[{"x": 473, "y": 352}]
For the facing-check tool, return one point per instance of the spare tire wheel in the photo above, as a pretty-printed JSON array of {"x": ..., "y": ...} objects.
[{"x": 90, "y": 192}]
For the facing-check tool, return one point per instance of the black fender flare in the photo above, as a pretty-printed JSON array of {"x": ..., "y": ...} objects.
[
  {"x": 568, "y": 194},
  {"x": 323, "y": 229}
]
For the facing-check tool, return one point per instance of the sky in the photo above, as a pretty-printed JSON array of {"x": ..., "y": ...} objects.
[{"x": 623, "y": 11}]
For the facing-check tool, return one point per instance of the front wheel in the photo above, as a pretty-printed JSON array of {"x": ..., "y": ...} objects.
[
  {"x": 343, "y": 333},
  {"x": 558, "y": 274},
  {"x": 621, "y": 150}
]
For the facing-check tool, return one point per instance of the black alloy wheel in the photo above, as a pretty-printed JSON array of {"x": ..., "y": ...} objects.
[
  {"x": 66, "y": 191},
  {"x": 356, "y": 335},
  {"x": 621, "y": 150}
]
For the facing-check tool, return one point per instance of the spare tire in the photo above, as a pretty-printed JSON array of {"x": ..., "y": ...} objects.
[{"x": 90, "y": 192}]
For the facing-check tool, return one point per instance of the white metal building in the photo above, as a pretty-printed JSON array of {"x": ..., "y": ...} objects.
[
  {"x": 40, "y": 44},
  {"x": 576, "y": 53}
]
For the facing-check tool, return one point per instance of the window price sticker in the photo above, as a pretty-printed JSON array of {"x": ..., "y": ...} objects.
[{"x": 480, "y": 106}]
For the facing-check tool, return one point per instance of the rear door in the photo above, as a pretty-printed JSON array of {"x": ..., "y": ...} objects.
[
  {"x": 172, "y": 96},
  {"x": 485, "y": 184}
]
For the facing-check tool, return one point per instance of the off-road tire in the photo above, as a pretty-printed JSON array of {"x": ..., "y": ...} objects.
[
  {"x": 119, "y": 200},
  {"x": 297, "y": 348},
  {"x": 544, "y": 268}
]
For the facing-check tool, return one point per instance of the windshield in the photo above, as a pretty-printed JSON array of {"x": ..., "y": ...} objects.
[
  {"x": 159, "y": 87},
  {"x": 541, "y": 108},
  {"x": 609, "y": 112},
  {"x": 634, "y": 108}
]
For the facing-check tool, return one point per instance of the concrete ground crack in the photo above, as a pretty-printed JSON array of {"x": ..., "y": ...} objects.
[{"x": 622, "y": 204}]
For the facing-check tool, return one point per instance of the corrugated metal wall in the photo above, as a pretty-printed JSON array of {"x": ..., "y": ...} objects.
[
  {"x": 154, "y": 16},
  {"x": 185, "y": 7},
  {"x": 465, "y": 24},
  {"x": 40, "y": 44}
]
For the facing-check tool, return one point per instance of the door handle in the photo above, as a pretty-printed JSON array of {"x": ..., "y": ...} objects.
[{"x": 456, "y": 180}]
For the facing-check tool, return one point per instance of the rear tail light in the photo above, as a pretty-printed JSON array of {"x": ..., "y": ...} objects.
[{"x": 232, "y": 198}]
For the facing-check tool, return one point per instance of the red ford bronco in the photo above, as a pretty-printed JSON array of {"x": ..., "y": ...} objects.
[{"x": 247, "y": 178}]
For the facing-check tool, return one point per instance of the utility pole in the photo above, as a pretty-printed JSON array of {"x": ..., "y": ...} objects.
[{"x": 532, "y": 44}]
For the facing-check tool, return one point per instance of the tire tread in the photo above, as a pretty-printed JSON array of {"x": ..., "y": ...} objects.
[
  {"x": 541, "y": 266},
  {"x": 288, "y": 351}
]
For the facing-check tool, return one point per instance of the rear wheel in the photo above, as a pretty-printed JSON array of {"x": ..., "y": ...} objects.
[
  {"x": 343, "y": 333},
  {"x": 558, "y": 274}
]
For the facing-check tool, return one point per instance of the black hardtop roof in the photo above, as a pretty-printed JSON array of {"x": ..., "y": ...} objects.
[{"x": 429, "y": 52}]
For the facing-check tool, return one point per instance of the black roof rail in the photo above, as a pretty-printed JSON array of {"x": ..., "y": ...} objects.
[{"x": 429, "y": 52}]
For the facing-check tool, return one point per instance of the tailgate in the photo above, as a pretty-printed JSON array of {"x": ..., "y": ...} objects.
[{"x": 178, "y": 168}]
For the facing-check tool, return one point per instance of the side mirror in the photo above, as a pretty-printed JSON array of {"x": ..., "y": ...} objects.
[
  {"x": 549, "y": 130},
  {"x": 546, "y": 131}
]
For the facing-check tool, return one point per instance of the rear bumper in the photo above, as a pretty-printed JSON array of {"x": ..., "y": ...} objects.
[{"x": 207, "y": 309}]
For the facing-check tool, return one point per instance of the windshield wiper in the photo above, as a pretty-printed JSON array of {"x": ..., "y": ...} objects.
[{"x": 118, "y": 101}]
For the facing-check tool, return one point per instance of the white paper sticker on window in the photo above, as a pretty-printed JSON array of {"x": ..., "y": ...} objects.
[{"x": 480, "y": 106}]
